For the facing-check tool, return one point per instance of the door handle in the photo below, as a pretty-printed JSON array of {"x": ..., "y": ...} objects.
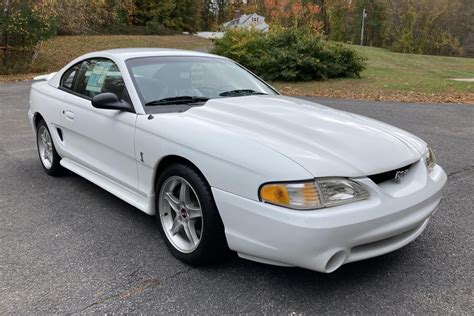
[{"x": 69, "y": 115}]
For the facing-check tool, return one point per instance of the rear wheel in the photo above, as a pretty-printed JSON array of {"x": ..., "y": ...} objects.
[
  {"x": 187, "y": 216},
  {"x": 47, "y": 152}
]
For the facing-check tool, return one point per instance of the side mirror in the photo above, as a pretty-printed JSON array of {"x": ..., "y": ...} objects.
[{"x": 110, "y": 101}]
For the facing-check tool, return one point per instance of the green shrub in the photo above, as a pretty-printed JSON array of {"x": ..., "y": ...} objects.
[
  {"x": 289, "y": 54},
  {"x": 22, "y": 28}
]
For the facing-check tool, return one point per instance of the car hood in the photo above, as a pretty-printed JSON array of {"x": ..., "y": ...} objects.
[{"x": 324, "y": 141}]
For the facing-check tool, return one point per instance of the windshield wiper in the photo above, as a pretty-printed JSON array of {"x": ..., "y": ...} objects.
[
  {"x": 241, "y": 92},
  {"x": 178, "y": 100}
]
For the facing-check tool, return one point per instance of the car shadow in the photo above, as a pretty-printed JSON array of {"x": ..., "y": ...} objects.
[{"x": 348, "y": 273}]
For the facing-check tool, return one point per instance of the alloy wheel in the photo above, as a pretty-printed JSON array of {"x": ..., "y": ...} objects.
[
  {"x": 180, "y": 214},
  {"x": 45, "y": 147}
]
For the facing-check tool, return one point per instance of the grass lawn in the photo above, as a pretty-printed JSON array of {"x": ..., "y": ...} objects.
[
  {"x": 397, "y": 77},
  {"x": 389, "y": 76}
]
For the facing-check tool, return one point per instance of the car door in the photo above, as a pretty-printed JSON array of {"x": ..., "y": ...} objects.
[{"x": 98, "y": 139}]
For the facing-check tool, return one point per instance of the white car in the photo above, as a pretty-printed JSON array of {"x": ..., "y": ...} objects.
[{"x": 225, "y": 162}]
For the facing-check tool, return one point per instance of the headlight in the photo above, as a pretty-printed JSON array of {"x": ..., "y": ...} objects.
[
  {"x": 341, "y": 191},
  {"x": 430, "y": 159},
  {"x": 323, "y": 192}
]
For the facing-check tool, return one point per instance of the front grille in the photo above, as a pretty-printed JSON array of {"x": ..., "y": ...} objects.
[
  {"x": 386, "y": 242},
  {"x": 386, "y": 176}
]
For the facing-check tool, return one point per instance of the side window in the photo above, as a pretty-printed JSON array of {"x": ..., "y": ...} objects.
[{"x": 95, "y": 76}]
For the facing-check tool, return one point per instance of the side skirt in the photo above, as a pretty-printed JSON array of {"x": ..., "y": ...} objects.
[{"x": 143, "y": 203}]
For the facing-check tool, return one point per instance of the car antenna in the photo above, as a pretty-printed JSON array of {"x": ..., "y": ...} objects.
[{"x": 150, "y": 117}]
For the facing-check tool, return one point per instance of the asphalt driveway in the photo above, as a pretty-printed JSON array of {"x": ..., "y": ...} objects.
[{"x": 67, "y": 246}]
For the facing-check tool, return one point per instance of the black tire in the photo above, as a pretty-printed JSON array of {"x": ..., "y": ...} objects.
[
  {"x": 55, "y": 169},
  {"x": 212, "y": 246}
]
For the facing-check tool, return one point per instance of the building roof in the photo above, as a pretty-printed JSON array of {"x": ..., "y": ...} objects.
[{"x": 243, "y": 19}]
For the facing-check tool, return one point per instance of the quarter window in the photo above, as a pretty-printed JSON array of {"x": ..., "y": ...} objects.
[{"x": 68, "y": 77}]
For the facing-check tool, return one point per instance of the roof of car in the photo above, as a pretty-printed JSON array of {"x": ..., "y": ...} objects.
[{"x": 127, "y": 53}]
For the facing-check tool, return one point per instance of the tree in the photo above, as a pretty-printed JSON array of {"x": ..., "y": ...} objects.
[
  {"x": 294, "y": 14},
  {"x": 324, "y": 14},
  {"x": 460, "y": 23},
  {"x": 209, "y": 21},
  {"x": 419, "y": 27},
  {"x": 189, "y": 12},
  {"x": 154, "y": 12},
  {"x": 23, "y": 24},
  {"x": 375, "y": 22},
  {"x": 340, "y": 20},
  {"x": 221, "y": 10},
  {"x": 88, "y": 15}
]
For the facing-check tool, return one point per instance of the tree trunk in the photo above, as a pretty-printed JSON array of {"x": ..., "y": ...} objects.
[{"x": 5, "y": 33}]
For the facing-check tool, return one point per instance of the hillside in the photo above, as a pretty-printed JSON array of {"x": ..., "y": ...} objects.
[
  {"x": 60, "y": 50},
  {"x": 398, "y": 77}
]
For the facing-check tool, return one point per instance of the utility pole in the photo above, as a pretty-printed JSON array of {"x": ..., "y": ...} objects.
[{"x": 364, "y": 15}]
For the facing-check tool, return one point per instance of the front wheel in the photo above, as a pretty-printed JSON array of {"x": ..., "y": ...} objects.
[
  {"x": 187, "y": 216},
  {"x": 47, "y": 152}
]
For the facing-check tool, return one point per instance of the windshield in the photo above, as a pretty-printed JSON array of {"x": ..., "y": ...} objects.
[{"x": 164, "y": 80}]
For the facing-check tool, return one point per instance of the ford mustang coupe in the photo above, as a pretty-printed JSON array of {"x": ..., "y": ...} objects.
[{"x": 225, "y": 162}]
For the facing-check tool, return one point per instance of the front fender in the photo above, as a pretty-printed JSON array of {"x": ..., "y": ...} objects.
[{"x": 230, "y": 161}]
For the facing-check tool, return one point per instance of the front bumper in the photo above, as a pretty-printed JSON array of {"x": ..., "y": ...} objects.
[{"x": 323, "y": 240}]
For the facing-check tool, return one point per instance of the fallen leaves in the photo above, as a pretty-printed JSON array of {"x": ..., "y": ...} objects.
[{"x": 381, "y": 95}]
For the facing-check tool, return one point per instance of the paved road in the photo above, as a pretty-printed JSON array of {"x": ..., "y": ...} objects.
[{"x": 68, "y": 246}]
